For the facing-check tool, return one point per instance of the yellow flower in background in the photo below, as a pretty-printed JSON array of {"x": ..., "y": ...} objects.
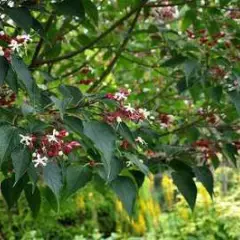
[
  {"x": 80, "y": 202},
  {"x": 203, "y": 196},
  {"x": 139, "y": 226},
  {"x": 168, "y": 190},
  {"x": 119, "y": 206}
]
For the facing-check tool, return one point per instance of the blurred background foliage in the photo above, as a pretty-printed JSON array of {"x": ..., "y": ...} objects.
[{"x": 95, "y": 213}]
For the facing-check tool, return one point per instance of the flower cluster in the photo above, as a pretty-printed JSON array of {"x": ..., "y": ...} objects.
[
  {"x": 124, "y": 112},
  {"x": 86, "y": 82},
  {"x": 210, "y": 115},
  {"x": 217, "y": 72},
  {"x": 7, "y": 96},
  {"x": 232, "y": 86},
  {"x": 205, "y": 147},
  {"x": 9, "y": 3},
  {"x": 13, "y": 44},
  {"x": 48, "y": 146},
  {"x": 166, "y": 120},
  {"x": 165, "y": 14},
  {"x": 205, "y": 39}
]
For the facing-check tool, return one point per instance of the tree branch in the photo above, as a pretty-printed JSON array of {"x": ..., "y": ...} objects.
[
  {"x": 100, "y": 37},
  {"x": 118, "y": 54}
]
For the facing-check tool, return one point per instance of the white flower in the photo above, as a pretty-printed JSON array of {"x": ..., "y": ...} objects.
[
  {"x": 1, "y": 51},
  {"x": 60, "y": 153},
  {"x": 42, "y": 161},
  {"x": 25, "y": 140},
  {"x": 140, "y": 140},
  {"x": 118, "y": 119},
  {"x": 14, "y": 45},
  {"x": 130, "y": 109},
  {"x": 26, "y": 37},
  {"x": 52, "y": 138},
  {"x": 120, "y": 96},
  {"x": 144, "y": 112},
  {"x": 146, "y": 90}
]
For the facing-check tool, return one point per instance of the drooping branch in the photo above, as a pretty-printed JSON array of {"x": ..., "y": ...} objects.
[
  {"x": 92, "y": 43},
  {"x": 118, "y": 54}
]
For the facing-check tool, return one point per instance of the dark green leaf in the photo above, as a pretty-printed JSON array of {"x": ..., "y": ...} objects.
[
  {"x": 187, "y": 187},
  {"x": 74, "y": 123},
  {"x": 204, "y": 175},
  {"x": 21, "y": 16},
  {"x": 73, "y": 93},
  {"x": 6, "y": 142},
  {"x": 126, "y": 190},
  {"x": 103, "y": 137},
  {"x": 21, "y": 159},
  {"x": 76, "y": 178},
  {"x": 33, "y": 199},
  {"x": 134, "y": 159},
  {"x": 72, "y": 8},
  {"x": 91, "y": 10},
  {"x": 4, "y": 66},
  {"x": 52, "y": 176},
  {"x": 11, "y": 192},
  {"x": 235, "y": 97}
]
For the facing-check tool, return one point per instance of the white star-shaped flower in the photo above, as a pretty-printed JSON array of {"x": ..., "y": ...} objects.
[
  {"x": 144, "y": 112},
  {"x": 1, "y": 51},
  {"x": 26, "y": 140},
  {"x": 42, "y": 161},
  {"x": 52, "y": 138},
  {"x": 129, "y": 108},
  {"x": 14, "y": 45},
  {"x": 140, "y": 140},
  {"x": 119, "y": 96}
]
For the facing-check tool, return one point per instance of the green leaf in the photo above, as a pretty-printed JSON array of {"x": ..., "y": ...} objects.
[
  {"x": 187, "y": 187},
  {"x": 91, "y": 10},
  {"x": 73, "y": 93},
  {"x": 11, "y": 192},
  {"x": 4, "y": 66},
  {"x": 190, "y": 68},
  {"x": 125, "y": 132},
  {"x": 52, "y": 176},
  {"x": 204, "y": 175},
  {"x": 103, "y": 137},
  {"x": 116, "y": 168},
  {"x": 11, "y": 80},
  {"x": 61, "y": 105},
  {"x": 33, "y": 199},
  {"x": 231, "y": 152},
  {"x": 74, "y": 123},
  {"x": 235, "y": 97},
  {"x": 25, "y": 76},
  {"x": 134, "y": 159},
  {"x": 21, "y": 16},
  {"x": 21, "y": 159},
  {"x": 126, "y": 190},
  {"x": 6, "y": 142},
  {"x": 188, "y": 19},
  {"x": 177, "y": 60},
  {"x": 51, "y": 198},
  {"x": 76, "y": 178},
  {"x": 138, "y": 176},
  {"x": 73, "y": 8}
]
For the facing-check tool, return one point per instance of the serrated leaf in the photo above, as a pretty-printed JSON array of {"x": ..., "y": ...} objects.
[
  {"x": 204, "y": 175},
  {"x": 126, "y": 190},
  {"x": 21, "y": 159},
  {"x": 187, "y": 187}
]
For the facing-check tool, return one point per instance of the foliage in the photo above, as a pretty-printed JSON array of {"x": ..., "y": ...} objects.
[
  {"x": 74, "y": 93},
  {"x": 99, "y": 215}
]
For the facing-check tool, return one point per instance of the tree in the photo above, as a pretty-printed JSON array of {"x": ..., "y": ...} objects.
[{"x": 112, "y": 91}]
